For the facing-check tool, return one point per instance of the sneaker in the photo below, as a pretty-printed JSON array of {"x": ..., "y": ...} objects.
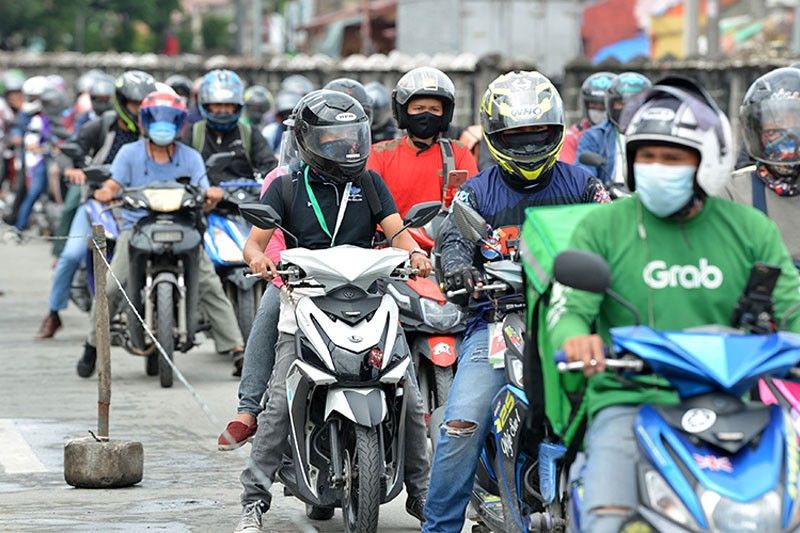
[
  {"x": 87, "y": 361},
  {"x": 415, "y": 506},
  {"x": 50, "y": 324},
  {"x": 236, "y": 434},
  {"x": 251, "y": 518}
]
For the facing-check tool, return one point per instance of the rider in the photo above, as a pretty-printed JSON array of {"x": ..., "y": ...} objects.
[
  {"x": 100, "y": 139},
  {"x": 522, "y": 118},
  {"x": 679, "y": 154},
  {"x": 160, "y": 157},
  {"x": 221, "y": 100},
  {"x": 593, "y": 104},
  {"x": 606, "y": 138},
  {"x": 416, "y": 165},
  {"x": 257, "y": 103},
  {"x": 384, "y": 127},
  {"x": 770, "y": 118},
  {"x": 333, "y": 151}
]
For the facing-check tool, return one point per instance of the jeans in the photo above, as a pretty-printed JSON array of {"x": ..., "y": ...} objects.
[
  {"x": 37, "y": 187},
  {"x": 610, "y": 478},
  {"x": 71, "y": 258},
  {"x": 259, "y": 352},
  {"x": 72, "y": 202},
  {"x": 273, "y": 429},
  {"x": 475, "y": 385}
]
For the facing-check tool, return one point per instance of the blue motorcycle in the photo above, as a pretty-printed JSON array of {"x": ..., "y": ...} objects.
[{"x": 713, "y": 462}]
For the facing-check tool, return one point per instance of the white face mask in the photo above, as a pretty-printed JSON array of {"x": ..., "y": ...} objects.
[
  {"x": 596, "y": 116},
  {"x": 664, "y": 189}
]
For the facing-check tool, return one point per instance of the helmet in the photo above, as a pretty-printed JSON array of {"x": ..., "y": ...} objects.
[
  {"x": 420, "y": 82},
  {"x": 332, "y": 134},
  {"x": 162, "y": 107},
  {"x": 286, "y": 101},
  {"x": 517, "y": 100},
  {"x": 381, "y": 103},
  {"x": 298, "y": 84},
  {"x": 101, "y": 93},
  {"x": 221, "y": 87},
  {"x": 354, "y": 89},
  {"x": 593, "y": 91},
  {"x": 257, "y": 102},
  {"x": 57, "y": 82},
  {"x": 12, "y": 81},
  {"x": 54, "y": 102},
  {"x": 86, "y": 81},
  {"x": 678, "y": 111},
  {"x": 623, "y": 89},
  {"x": 132, "y": 86},
  {"x": 770, "y": 121},
  {"x": 180, "y": 84},
  {"x": 32, "y": 90}
]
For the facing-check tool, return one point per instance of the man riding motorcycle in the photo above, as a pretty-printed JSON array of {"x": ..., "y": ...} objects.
[
  {"x": 680, "y": 255},
  {"x": 160, "y": 157},
  {"x": 593, "y": 104},
  {"x": 522, "y": 118},
  {"x": 332, "y": 135},
  {"x": 257, "y": 103}
]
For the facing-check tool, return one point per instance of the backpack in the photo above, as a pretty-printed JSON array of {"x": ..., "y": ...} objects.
[{"x": 245, "y": 133}]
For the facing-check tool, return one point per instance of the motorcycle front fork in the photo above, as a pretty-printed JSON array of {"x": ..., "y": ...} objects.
[{"x": 149, "y": 312}]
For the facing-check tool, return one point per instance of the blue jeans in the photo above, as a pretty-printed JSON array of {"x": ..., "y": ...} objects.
[
  {"x": 37, "y": 187},
  {"x": 71, "y": 257},
  {"x": 259, "y": 352},
  {"x": 456, "y": 459}
]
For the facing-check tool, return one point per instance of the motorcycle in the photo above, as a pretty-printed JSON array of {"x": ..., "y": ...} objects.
[
  {"x": 224, "y": 243},
  {"x": 713, "y": 462},
  {"x": 347, "y": 388}
]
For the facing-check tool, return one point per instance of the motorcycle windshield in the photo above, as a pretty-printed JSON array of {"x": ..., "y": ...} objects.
[
  {"x": 695, "y": 363},
  {"x": 346, "y": 264}
]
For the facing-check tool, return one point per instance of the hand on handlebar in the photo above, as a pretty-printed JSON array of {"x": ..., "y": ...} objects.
[
  {"x": 104, "y": 195},
  {"x": 462, "y": 282},
  {"x": 263, "y": 265},
  {"x": 587, "y": 349},
  {"x": 75, "y": 176},
  {"x": 214, "y": 196},
  {"x": 421, "y": 263}
]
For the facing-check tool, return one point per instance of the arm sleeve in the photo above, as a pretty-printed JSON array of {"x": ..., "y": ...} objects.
[
  {"x": 274, "y": 197},
  {"x": 586, "y": 144},
  {"x": 772, "y": 251},
  {"x": 261, "y": 154},
  {"x": 121, "y": 166},
  {"x": 388, "y": 206},
  {"x": 456, "y": 251}
]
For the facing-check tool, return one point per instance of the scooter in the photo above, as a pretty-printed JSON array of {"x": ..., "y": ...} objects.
[{"x": 347, "y": 389}]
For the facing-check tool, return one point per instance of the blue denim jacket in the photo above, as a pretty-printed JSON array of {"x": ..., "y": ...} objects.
[{"x": 601, "y": 139}]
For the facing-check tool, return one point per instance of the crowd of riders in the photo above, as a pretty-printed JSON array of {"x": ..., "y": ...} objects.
[{"x": 338, "y": 161}]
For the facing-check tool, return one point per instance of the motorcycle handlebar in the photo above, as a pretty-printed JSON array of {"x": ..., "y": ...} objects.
[{"x": 485, "y": 288}]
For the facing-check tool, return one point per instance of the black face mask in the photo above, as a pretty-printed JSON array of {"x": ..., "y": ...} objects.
[{"x": 424, "y": 125}]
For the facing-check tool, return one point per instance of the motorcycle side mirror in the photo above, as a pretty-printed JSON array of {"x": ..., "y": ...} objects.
[
  {"x": 422, "y": 213},
  {"x": 585, "y": 271},
  {"x": 592, "y": 159},
  {"x": 72, "y": 150},
  {"x": 184, "y": 180},
  {"x": 469, "y": 222},
  {"x": 219, "y": 161},
  {"x": 264, "y": 217}
]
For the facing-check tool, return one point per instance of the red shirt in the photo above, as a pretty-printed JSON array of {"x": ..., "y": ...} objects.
[
  {"x": 573, "y": 136},
  {"x": 413, "y": 176}
]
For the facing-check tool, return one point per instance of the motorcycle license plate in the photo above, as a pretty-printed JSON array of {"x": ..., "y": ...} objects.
[{"x": 497, "y": 345}]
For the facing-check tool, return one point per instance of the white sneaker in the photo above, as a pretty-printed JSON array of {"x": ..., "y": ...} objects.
[{"x": 251, "y": 518}]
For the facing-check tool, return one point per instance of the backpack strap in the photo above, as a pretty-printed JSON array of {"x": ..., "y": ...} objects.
[
  {"x": 246, "y": 134},
  {"x": 199, "y": 135},
  {"x": 368, "y": 188},
  {"x": 287, "y": 194},
  {"x": 105, "y": 137},
  {"x": 448, "y": 159},
  {"x": 759, "y": 193}
]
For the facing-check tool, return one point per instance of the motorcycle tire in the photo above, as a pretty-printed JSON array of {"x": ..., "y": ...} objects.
[
  {"x": 165, "y": 328},
  {"x": 361, "y": 502},
  {"x": 314, "y": 512},
  {"x": 245, "y": 310},
  {"x": 442, "y": 382},
  {"x": 151, "y": 364}
]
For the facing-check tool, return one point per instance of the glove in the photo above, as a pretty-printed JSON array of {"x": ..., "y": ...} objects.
[{"x": 463, "y": 278}]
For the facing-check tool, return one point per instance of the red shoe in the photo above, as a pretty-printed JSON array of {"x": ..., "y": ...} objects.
[{"x": 236, "y": 434}]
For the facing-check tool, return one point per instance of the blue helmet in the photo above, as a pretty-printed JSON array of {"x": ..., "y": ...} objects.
[{"x": 221, "y": 87}]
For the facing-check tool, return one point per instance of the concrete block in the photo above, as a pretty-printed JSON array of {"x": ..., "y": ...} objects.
[{"x": 102, "y": 465}]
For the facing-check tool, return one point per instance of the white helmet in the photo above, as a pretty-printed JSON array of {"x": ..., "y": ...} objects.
[
  {"x": 32, "y": 90},
  {"x": 162, "y": 87},
  {"x": 678, "y": 111}
]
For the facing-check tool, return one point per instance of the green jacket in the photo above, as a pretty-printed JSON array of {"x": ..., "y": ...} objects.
[{"x": 678, "y": 274}]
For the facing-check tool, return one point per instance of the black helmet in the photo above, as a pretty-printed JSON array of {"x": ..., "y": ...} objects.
[
  {"x": 593, "y": 91},
  {"x": 257, "y": 102},
  {"x": 354, "y": 89},
  {"x": 132, "y": 86},
  {"x": 332, "y": 133},
  {"x": 381, "y": 103},
  {"x": 624, "y": 88},
  {"x": 297, "y": 84},
  {"x": 770, "y": 119},
  {"x": 420, "y": 82},
  {"x": 181, "y": 85}
]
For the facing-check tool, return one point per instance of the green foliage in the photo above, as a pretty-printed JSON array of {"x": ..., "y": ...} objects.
[{"x": 216, "y": 34}]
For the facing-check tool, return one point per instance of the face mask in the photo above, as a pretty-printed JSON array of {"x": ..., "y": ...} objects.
[
  {"x": 596, "y": 116},
  {"x": 664, "y": 189},
  {"x": 162, "y": 133},
  {"x": 425, "y": 125},
  {"x": 99, "y": 107}
]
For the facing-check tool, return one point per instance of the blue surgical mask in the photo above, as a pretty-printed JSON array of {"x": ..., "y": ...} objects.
[
  {"x": 162, "y": 133},
  {"x": 664, "y": 189}
]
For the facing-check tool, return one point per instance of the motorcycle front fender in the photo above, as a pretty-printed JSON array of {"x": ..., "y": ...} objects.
[
  {"x": 441, "y": 350},
  {"x": 365, "y": 407}
]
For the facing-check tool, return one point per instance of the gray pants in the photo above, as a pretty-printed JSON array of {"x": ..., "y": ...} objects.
[
  {"x": 610, "y": 476},
  {"x": 273, "y": 429},
  {"x": 224, "y": 328},
  {"x": 259, "y": 353}
]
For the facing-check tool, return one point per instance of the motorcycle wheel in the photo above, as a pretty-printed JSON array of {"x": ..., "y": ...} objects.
[
  {"x": 165, "y": 327},
  {"x": 442, "y": 381},
  {"x": 314, "y": 512},
  {"x": 245, "y": 310},
  {"x": 361, "y": 498},
  {"x": 151, "y": 364}
]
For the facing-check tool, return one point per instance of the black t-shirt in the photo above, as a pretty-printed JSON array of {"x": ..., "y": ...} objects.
[{"x": 358, "y": 224}]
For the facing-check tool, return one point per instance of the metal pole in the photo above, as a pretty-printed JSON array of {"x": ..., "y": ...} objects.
[
  {"x": 258, "y": 24},
  {"x": 102, "y": 329},
  {"x": 712, "y": 28},
  {"x": 691, "y": 9}
]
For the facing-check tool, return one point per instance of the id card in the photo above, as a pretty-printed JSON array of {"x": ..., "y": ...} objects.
[{"x": 497, "y": 345}]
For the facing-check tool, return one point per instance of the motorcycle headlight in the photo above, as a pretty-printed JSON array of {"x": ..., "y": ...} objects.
[
  {"x": 663, "y": 500},
  {"x": 440, "y": 316},
  {"x": 513, "y": 369},
  {"x": 728, "y": 516}
]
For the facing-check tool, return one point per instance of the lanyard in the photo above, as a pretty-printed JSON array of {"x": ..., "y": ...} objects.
[{"x": 318, "y": 211}]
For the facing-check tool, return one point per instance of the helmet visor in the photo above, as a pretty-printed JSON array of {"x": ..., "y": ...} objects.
[
  {"x": 345, "y": 143},
  {"x": 772, "y": 131},
  {"x": 152, "y": 114},
  {"x": 528, "y": 144},
  {"x": 523, "y": 108}
]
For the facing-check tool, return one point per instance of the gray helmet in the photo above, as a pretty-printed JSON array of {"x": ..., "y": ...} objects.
[
  {"x": 286, "y": 101},
  {"x": 298, "y": 84},
  {"x": 102, "y": 94},
  {"x": 381, "y": 103},
  {"x": 86, "y": 81}
]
